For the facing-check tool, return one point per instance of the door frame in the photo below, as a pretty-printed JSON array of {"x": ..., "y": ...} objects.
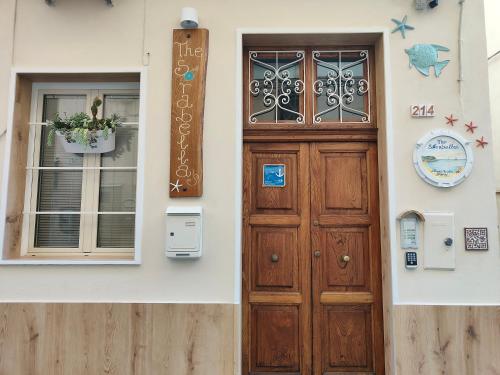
[{"x": 379, "y": 38}]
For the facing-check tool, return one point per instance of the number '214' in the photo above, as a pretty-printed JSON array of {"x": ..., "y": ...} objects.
[{"x": 425, "y": 110}]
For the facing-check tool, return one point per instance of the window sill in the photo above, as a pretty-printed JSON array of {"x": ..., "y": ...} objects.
[{"x": 76, "y": 259}]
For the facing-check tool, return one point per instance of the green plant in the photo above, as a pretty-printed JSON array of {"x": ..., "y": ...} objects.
[{"x": 81, "y": 128}]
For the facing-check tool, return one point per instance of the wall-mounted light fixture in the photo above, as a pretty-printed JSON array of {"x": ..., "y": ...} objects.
[
  {"x": 189, "y": 18},
  {"x": 434, "y": 3}
]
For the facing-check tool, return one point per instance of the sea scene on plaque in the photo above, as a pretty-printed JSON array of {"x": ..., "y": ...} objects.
[
  {"x": 273, "y": 175},
  {"x": 444, "y": 157}
]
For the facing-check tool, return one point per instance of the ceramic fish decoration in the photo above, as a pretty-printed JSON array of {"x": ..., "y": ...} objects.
[{"x": 423, "y": 56}]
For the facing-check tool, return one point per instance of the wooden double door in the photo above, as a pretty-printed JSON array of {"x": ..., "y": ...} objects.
[{"x": 312, "y": 300}]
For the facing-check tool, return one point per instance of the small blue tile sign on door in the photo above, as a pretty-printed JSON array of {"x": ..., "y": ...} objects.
[{"x": 273, "y": 175}]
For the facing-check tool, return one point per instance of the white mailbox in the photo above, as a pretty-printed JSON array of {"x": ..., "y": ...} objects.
[{"x": 184, "y": 232}]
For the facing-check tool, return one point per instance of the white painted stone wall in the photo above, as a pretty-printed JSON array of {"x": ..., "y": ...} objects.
[
  {"x": 87, "y": 34},
  {"x": 492, "y": 8}
]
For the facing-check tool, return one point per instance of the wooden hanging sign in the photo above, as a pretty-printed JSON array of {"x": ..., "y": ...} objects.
[{"x": 189, "y": 68}]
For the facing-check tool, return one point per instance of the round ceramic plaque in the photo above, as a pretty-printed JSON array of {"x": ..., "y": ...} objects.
[{"x": 443, "y": 158}]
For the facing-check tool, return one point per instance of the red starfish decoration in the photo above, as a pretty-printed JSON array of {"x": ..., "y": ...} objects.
[
  {"x": 450, "y": 120},
  {"x": 481, "y": 142},
  {"x": 470, "y": 127}
]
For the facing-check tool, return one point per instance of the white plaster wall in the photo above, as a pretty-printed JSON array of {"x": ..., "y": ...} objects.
[
  {"x": 493, "y": 39},
  {"x": 79, "y": 33},
  {"x": 476, "y": 278},
  {"x": 6, "y": 28}
]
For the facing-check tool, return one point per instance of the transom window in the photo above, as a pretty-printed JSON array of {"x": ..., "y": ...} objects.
[
  {"x": 341, "y": 86},
  {"x": 81, "y": 203},
  {"x": 276, "y": 86},
  {"x": 308, "y": 87}
]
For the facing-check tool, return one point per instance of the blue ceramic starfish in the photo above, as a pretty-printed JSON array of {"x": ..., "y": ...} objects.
[{"x": 402, "y": 26}]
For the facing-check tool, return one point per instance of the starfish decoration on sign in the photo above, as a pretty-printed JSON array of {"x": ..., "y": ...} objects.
[
  {"x": 402, "y": 26},
  {"x": 450, "y": 120},
  {"x": 481, "y": 142},
  {"x": 470, "y": 127},
  {"x": 175, "y": 186}
]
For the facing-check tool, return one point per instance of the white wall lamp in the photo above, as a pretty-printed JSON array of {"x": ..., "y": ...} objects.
[{"x": 189, "y": 18}]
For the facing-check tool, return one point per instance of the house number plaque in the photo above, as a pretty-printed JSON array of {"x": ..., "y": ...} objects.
[
  {"x": 422, "y": 110},
  {"x": 189, "y": 67}
]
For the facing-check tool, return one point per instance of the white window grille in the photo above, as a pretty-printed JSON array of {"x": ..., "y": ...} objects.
[
  {"x": 276, "y": 86},
  {"x": 308, "y": 87},
  {"x": 341, "y": 88}
]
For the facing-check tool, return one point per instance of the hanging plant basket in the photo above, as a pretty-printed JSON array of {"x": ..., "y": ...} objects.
[
  {"x": 82, "y": 134},
  {"x": 102, "y": 144}
]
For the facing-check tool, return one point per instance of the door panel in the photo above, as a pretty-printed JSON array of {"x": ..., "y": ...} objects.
[
  {"x": 353, "y": 274},
  {"x": 275, "y": 259},
  {"x": 343, "y": 183},
  {"x": 346, "y": 284},
  {"x": 346, "y": 347},
  {"x": 276, "y": 263},
  {"x": 276, "y": 200},
  {"x": 276, "y": 336}
]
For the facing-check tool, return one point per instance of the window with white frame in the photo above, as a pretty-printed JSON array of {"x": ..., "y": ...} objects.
[{"x": 81, "y": 203}]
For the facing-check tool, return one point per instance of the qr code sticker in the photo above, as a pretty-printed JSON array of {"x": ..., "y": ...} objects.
[{"x": 476, "y": 238}]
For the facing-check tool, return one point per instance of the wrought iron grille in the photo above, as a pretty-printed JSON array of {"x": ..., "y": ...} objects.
[
  {"x": 276, "y": 87},
  {"x": 341, "y": 88}
]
